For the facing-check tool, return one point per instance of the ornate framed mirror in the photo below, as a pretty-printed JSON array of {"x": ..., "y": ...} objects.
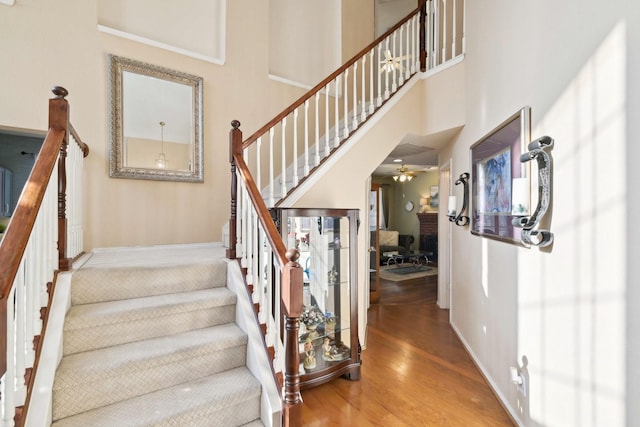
[{"x": 156, "y": 122}]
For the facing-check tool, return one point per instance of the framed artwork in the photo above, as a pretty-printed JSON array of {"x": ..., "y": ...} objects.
[
  {"x": 495, "y": 163},
  {"x": 434, "y": 199}
]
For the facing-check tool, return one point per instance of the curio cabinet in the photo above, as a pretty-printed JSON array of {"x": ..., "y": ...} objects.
[{"x": 328, "y": 338}]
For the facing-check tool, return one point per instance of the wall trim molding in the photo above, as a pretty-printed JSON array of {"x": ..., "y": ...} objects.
[{"x": 125, "y": 35}]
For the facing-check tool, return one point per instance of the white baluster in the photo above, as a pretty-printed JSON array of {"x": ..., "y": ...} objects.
[
  {"x": 272, "y": 184},
  {"x": 283, "y": 175},
  {"x": 387, "y": 54},
  {"x": 279, "y": 357},
  {"x": 241, "y": 223},
  {"x": 394, "y": 84},
  {"x": 436, "y": 37},
  {"x": 327, "y": 148},
  {"x": 306, "y": 136},
  {"x": 317, "y": 129},
  {"x": 372, "y": 104},
  {"x": 8, "y": 392},
  {"x": 363, "y": 113},
  {"x": 259, "y": 164},
  {"x": 22, "y": 313},
  {"x": 444, "y": 31},
  {"x": 428, "y": 30},
  {"x": 249, "y": 239},
  {"x": 52, "y": 258},
  {"x": 29, "y": 323},
  {"x": 294, "y": 129},
  {"x": 272, "y": 330},
  {"x": 260, "y": 280},
  {"x": 416, "y": 45},
  {"x": 346, "y": 104},
  {"x": 399, "y": 59},
  {"x": 464, "y": 26},
  {"x": 407, "y": 49},
  {"x": 380, "y": 69},
  {"x": 336, "y": 125},
  {"x": 454, "y": 33},
  {"x": 355, "y": 96},
  {"x": 255, "y": 262}
]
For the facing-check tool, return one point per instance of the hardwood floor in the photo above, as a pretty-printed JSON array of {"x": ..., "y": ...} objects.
[{"x": 415, "y": 371}]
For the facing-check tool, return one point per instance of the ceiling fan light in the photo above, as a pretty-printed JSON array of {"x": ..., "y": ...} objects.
[
  {"x": 403, "y": 178},
  {"x": 409, "y": 177},
  {"x": 395, "y": 177}
]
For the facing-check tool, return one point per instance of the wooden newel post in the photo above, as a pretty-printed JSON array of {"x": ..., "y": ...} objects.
[
  {"x": 59, "y": 119},
  {"x": 235, "y": 149},
  {"x": 292, "y": 300},
  {"x": 423, "y": 35}
]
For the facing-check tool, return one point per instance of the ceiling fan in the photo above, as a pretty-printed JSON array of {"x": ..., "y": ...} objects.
[
  {"x": 389, "y": 62},
  {"x": 403, "y": 174}
]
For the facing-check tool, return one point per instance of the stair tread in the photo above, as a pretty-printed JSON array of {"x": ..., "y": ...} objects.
[
  {"x": 202, "y": 402},
  {"x": 107, "y": 283},
  {"x": 91, "y": 315},
  {"x": 147, "y": 354}
]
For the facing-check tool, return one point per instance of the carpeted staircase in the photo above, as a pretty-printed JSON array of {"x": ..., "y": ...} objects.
[{"x": 152, "y": 342}]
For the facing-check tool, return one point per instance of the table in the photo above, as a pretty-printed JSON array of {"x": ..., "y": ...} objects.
[{"x": 397, "y": 258}]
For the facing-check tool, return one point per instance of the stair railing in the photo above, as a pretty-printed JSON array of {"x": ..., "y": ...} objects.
[
  {"x": 297, "y": 141},
  {"x": 42, "y": 237},
  {"x": 285, "y": 151},
  {"x": 273, "y": 276}
]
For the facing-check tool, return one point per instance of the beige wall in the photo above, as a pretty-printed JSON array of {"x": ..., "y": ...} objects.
[
  {"x": 566, "y": 315},
  {"x": 197, "y": 26},
  {"x": 59, "y": 44},
  {"x": 314, "y": 52},
  {"x": 357, "y": 27}
]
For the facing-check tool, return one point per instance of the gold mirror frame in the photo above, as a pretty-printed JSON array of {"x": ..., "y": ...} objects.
[{"x": 118, "y": 167}]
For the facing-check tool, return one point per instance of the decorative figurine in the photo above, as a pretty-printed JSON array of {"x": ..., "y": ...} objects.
[
  {"x": 309, "y": 355},
  {"x": 330, "y": 324},
  {"x": 333, "y": 276},
  {"x": 326, "y": 349},
  {"x": 311, "y": 318}
]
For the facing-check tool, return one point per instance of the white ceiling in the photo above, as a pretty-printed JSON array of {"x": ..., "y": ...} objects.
[{"x": 416, "y": 152}]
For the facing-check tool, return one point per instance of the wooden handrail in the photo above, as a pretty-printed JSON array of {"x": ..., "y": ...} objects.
[
  {"x": 84, "y": 147},
  {"x": 17, "y": 234},
  {"x": 247, "y": 143},
  {"x": 264, "y": 216}
]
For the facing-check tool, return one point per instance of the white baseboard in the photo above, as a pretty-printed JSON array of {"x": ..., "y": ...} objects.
[{"x": 503, "y": 401}]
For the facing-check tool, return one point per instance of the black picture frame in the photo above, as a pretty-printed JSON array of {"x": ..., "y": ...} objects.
[{"x": 495, "y": 162}]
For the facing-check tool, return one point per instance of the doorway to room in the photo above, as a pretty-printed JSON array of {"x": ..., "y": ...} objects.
[{"x": 18, "y": 151}]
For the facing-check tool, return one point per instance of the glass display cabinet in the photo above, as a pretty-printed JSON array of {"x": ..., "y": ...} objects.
[{"x": 328, "y": 337}]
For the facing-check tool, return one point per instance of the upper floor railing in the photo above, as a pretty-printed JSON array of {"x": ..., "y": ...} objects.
[
  {"x": 43, "y": 236},
  {"x": 283, "y": 153}
]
